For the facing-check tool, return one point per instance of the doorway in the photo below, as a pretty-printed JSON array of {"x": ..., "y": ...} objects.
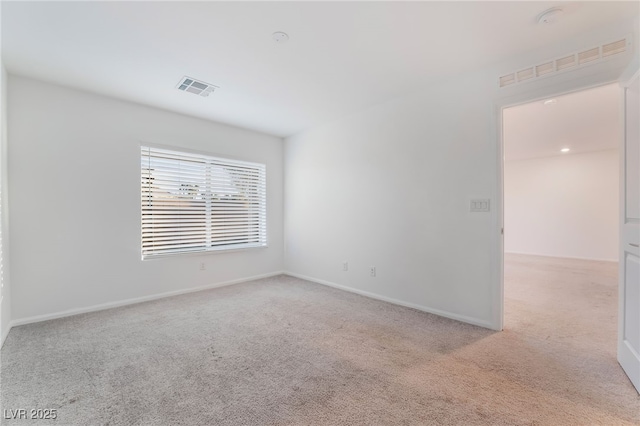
[{"x": 561, "y": 223}]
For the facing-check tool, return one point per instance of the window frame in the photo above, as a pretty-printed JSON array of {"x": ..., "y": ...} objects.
[{"x": 210, "y": 249}]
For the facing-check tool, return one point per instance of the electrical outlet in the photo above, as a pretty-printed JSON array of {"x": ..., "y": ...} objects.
[
  {"x": 372, "y": 271},
  {"x": 203, "y": 266},
  {"x": 345, "y": 266}
]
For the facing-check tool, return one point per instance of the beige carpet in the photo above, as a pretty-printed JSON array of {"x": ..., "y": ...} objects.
[{"x": 282, "y": 351}]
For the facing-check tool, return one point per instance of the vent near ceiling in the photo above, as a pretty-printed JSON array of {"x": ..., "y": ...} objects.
[
  {"x": 568, "y": 62},
  {"x": 197, "y": 87}
]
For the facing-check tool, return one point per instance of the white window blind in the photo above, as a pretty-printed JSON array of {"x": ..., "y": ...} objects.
[{"x": 194, "y": 203}]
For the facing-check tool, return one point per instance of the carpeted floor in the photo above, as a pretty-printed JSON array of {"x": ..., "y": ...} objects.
[{"x": 282, "y": 351}]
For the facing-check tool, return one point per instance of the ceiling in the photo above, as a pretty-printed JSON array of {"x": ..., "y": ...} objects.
[
  {"x": 341, "y": 57},
  {"x": 582, "y": 121}
]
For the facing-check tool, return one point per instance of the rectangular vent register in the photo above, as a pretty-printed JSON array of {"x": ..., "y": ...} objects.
[
  {"x": 567, "y": 62},
  {"x": 200, "y": 88}
]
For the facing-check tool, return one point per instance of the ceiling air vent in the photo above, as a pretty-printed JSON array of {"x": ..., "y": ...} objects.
[
  {"x": 613, "y": 48},
  {"x": 506, "y": 80},
  {"x": 525, "y": 74},
  {"x": 589, "y": 55},
  {"x": 200, "y": 88},
  {"x": 568, "y": 62},
  {"x": 544, "y": 69}
]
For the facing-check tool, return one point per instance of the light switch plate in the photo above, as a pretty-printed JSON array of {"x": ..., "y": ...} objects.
[{"x": 480, "y": 205}]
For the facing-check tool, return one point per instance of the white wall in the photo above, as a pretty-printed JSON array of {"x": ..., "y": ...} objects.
[
  {"x": 390, "y": 187},
  {"x": 5, "y": 308},
  {"x": 5, "y": 282},
  {"x": 564, "y": 206},
  {"x": 75, "y": 200}
]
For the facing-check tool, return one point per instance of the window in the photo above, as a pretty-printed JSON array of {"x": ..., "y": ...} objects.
[{"x": 197, "y": 203}]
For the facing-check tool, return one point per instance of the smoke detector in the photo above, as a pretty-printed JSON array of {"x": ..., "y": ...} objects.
[
  {"x": 200, "y": 88},
  {"x": 550, "y": 16},
  {"x": 280, "y": 37}
]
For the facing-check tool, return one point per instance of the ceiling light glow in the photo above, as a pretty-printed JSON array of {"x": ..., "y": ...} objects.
[{"x": 565, "y": 150}]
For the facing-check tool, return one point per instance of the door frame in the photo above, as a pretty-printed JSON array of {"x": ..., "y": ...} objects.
[
  {"x": 626, "y": 355},
  {"x": 529, "y": 92}
]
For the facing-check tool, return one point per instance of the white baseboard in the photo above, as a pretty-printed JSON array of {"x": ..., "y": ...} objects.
[
  {"x": 561, "y": 257},
  {"x": 135, "y": 300},
  {"x": 5, "y": 334},
  {"x": 461, "y": 318}
]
